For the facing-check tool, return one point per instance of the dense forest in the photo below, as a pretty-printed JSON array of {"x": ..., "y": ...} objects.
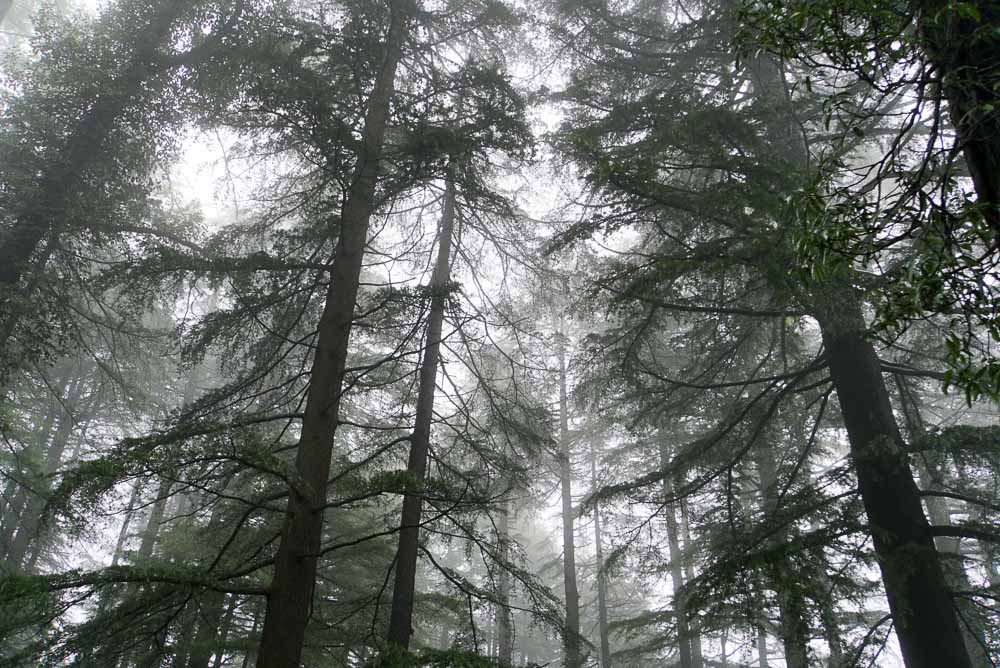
[{"x": 579, "y": 333}]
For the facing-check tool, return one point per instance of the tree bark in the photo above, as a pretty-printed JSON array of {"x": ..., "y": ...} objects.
[
  {"x": 250, "y": 658},
  {"x": 505, "y": 626},
  {"x": 971, "y": 620},
  {"x": 687, "y": 556},
  {"x": 922, "y": 610},
  {"x": 209, "y": 617},
  {"x": 133, "y": 497},
  {"x": 151, "y": 533},
  {"x": 676, "y": 563},
  {"x": 289, "y": 602},
  {"x": 401, "y": 612},
  {"x": 34, "y": 508},
  {"x": 966, "y": 61},
  {"x": 602, "y": 582},
  {"x": 16, "y": 492},
  {"x": 227, "y": 623},
  {"x": 762, "y": 659},
  {"x": 571, "y": 637},
  {"x": 921, "y": 606},
  {"x": 784, "y": 581}
]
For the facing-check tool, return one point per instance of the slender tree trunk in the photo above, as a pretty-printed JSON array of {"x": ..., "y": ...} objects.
[
  {"x": 16, "y": 494},
  {"x": 151, "y": 533},
  {"x": 250, "y": 658},
  {"x": 17, "y": 491},
  {"x": 133, "y": 497},
  {"x": 823, "y": 598},
  {"x": 150, "y": 654},
  {"x": 972, "y": 623},
  {"x": 602, "y": 582},
  {"x": 401, "y": 612},
  {"x": 31, "y": 515},
  {"x": 5, "y": 6},
  {"x": 227, "y": 623},
  {"x": 687, "y": 556},
  {"x": 676, "y": 563},
  {"x": 289, "y": 602},
  {"x": 209, "y": 616},
  {"x": 762, "y": 659},
  {"x": 571, "y": 638},
  {"x": 919, "y": 600},
  {"x": 184, "y": 625},
  {"x": 785, "y": 582},
  {"x": 505, "y": 627}
]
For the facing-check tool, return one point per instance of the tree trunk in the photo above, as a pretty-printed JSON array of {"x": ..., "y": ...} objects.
[
  {"x": 676, "y": 563},
  {"x": 289, "y": 601},
  {"x": 86, "y": 146},
  {"x": 972, "y": 622},
  {"x": 133, "y": 497},
  {"x": 250, "y": 658},
  {"x": 184, "y": 623},
  {"x": 151, "y": 532},
  {"x": 505, "y": 627},
  {"x": 16, "y": 492},
  {"x": 762, "y": 659},
  {"x": 964, "y": 56},
  {"x": 34, "y": 508},
  {"x": 602, "y": 582},
  {"x": 687, "y": 556},
  {"x": 783, "y": 580},
  {"x": 227, "y": 623},
  {"x": 209, "y": 616},
  {"x": 401, "y": 612},
  {"x": 922, "y": 610},
  {"x": 921, "y": 606},
  {"x": 571, "y": 637}
]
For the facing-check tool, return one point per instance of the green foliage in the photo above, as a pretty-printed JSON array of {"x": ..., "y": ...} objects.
[{"x": 395, "y": 657}]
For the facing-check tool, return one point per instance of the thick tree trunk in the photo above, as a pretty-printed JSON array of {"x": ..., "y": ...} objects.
[
  {"x": 289, "y": 601},
  {"x": 401, "y": 612},
  {"x": 922, "y": 610},
  {"x": 921, "y": 605},
  {"x": 602, "y": 582},
  {"x": 571, "y": 637},
  {"x": 676, "y": 563}
]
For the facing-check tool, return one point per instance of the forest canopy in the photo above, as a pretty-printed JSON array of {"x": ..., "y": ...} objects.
[{"x": 582, "y": 333}]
